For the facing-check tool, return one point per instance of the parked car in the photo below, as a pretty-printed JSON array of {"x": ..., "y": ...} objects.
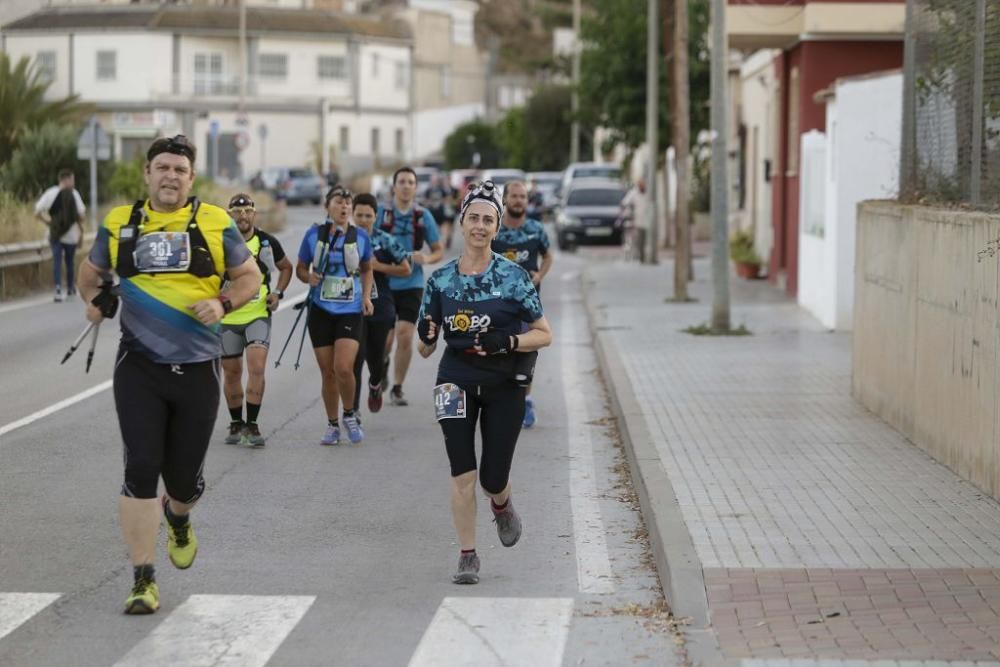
[
  {"x": 459, "y": 179},
  {"x": 501, "y": 176},
  {"x": 577, "y": 170},
  {"x": 590, "y": 213},
  {"x": 296, "y": 185},
  {"x": 543, "y": 188}
]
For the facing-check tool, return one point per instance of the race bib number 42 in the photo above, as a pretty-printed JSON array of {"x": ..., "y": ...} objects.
[
  {"x": 162, "y": 251},
  {"x": 449, "y": 401}
]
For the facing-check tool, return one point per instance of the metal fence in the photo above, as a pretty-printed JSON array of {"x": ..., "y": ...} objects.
[{"x": 951, "y": 106}]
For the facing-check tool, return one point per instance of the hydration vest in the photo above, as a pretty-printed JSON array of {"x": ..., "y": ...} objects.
[
  {"x": 389, "y": 221},
  {"x": 202, "y": 265},
  {"x": 352, "y": 264}
]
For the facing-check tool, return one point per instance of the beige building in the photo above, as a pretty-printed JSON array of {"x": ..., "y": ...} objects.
[{"x": 311, "y": 79}]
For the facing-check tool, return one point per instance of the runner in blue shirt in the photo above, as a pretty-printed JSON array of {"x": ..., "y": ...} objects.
[
  {"x": 523, "y": 240},
  {"x": 335, "y": 260},
  {"x": 413, "y": 227},
  {"x": 388, "y": 260}
]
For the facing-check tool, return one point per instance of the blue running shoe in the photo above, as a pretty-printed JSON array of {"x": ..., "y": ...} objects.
[
  {"x": 353, "y": 426},
  {"x": 529, "y": 413},
  {"x": 332, "y": 436}
]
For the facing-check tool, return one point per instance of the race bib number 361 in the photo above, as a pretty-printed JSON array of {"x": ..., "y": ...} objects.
[
  {"x": 163, "y": 251},
  {"x": 449, "y": 401}
]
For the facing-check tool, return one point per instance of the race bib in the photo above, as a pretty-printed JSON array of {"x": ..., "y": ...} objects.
[
  {"x": 256, "y": 297},
  {"x": 338, "y": 289},
  {"x": 158, "y": 252},
  {"x": 449, "y": 401}
]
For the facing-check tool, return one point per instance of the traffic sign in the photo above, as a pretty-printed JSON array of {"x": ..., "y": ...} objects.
[
  {"x": 85, "y": 143},
  {"x": 242, "y": 139},
  {"x": 213, "y": 128}
]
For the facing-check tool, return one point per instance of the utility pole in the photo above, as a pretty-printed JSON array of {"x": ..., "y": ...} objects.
[
  {"x": 681, "y": 97},
  {"x": 574, "y": 140},
  {"x": 243, "y": 58},
  {"x": 720, "y": 181},
  {"x": 652, "y": 122}
]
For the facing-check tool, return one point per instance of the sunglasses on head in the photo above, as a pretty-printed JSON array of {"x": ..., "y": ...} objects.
[{"x": 177, "y": 145}]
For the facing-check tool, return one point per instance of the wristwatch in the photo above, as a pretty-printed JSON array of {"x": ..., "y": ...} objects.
[
  {"x": 227, "y": 305},
  {"x": 280, "y": 293}
]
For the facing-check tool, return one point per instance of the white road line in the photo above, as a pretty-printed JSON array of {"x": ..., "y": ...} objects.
[
  {"x": 207, "y": 630},
  {"x": 593, "y": 566},
  {"x": 55, "y": 407},
  {"x": 97, "y": 389},
  {"x": 28, "y": 304},
  {"x": 496, "y": 632},
  {"x": 16, "y": 608}
]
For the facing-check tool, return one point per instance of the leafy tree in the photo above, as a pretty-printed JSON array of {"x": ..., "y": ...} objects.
[
  {"x": 468, "y": 139},
  {"x": 128, "y": 180},
  {"x": 613, "y": 70},
  {"x": 537, "y": 137},
  {"x": 40, "y": 154},
  {"x": 23, "y": 107}
]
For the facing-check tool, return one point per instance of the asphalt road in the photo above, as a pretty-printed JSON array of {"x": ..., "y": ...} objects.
[{"x": 321, "y": 556}]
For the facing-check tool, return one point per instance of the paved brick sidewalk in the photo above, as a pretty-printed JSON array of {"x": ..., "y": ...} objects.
[{"x": 820, "y": 532}]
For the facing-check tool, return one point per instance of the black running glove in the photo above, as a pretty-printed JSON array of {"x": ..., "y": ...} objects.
[
  {"x": 424, "y": 332},
  {"x": 106, "y": 300},
  {"x": 494, "y": 341}
]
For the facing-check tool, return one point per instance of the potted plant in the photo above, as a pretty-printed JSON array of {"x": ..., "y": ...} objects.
[{"x": 743, "y": 255}]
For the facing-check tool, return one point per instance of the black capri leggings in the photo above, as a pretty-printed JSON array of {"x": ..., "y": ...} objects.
[
  {"x": 499, "y": 409},
  {"x": 166, "y": 415},
  {"x": 372, "y": 351}
]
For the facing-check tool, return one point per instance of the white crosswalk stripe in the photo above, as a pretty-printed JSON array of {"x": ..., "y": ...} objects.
[
  {"x": 16, "y": 608},
  {"x": 488, "y": 632},
  {"x": 206, "y": 630}
]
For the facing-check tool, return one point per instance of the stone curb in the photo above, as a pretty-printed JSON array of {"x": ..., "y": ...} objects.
[{"x": 677, "y": 563}]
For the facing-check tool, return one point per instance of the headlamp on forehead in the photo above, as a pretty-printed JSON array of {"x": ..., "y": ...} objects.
[
  {"x": 486, "y": 192},
  {"x": 339, "y": 191},
  {"x": 177, "y": 145},
  {"x": 241, "y": 202}
]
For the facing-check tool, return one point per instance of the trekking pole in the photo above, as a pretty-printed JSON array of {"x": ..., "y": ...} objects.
[
  {"x": 291, "y": 333},
  {"x": 76, "y": 344},
  {"x": 93, "y": 346},
  {"x": 305, "y": 328}
]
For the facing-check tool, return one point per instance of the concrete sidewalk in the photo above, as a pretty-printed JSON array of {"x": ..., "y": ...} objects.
[{"x": 790, "y": 524}]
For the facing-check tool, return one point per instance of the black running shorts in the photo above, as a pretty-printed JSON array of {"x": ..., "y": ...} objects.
[
  {"x": 326, "y": 329},
  {"x": 166, "y": 414}
]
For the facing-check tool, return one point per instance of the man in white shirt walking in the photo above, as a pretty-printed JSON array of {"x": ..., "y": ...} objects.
[{"x": 61, "y": 208}]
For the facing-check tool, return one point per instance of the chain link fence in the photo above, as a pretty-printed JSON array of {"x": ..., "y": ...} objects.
[{"x": 951, "y": 106}]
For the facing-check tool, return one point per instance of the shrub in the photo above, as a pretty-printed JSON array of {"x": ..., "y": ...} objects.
[{"x": 741, "y": 248}]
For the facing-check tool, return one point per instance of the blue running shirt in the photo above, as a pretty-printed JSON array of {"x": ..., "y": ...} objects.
[
  {"x": 502, "y": 297},
  {"x": 524, "y": 244},
  {"x": 335, "y": 266},
  {"x": 403, "y": 231}
]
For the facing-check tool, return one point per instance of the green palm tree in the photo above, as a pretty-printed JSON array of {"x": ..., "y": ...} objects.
[{"x": 23, "y": 107}]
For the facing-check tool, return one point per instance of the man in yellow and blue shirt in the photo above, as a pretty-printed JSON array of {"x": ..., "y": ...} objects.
[{"x": 170, "y": 253}]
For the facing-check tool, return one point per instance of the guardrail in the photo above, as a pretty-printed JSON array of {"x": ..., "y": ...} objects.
[{"x": 27, "y": 254}]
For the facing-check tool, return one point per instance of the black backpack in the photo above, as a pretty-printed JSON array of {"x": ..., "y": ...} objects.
[{"x": 62, "y": 213}]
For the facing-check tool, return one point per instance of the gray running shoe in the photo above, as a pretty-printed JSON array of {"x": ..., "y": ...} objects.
[
  {"x": 253, "y": 436},
  {"x": 332, "y": 435},
  {"x": 396, "y": 397},
  {"x": 508, "y": 525},
  {"x": 235, "y": 436},
  {"x": 468, "y": 570}
]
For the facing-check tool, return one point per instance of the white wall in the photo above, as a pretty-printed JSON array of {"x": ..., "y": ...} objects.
[
  {"x": 31, "y": 45},
  {"x": 189, "y": 46},
  {"x": 758, "y": 108},
  {"x": 431, "y": 127},
  {"x": 865, "y": 164},
  {"x": 303, "y": 78},
  {"x": 817, "y": 260},
  {"x": 380, "y": 90},
  {"x": 857, "y": 159},
  {"x": 144, "y": 67}
]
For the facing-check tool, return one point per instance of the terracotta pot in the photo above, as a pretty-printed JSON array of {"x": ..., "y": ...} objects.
[{"x": 748, "y": 271}]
